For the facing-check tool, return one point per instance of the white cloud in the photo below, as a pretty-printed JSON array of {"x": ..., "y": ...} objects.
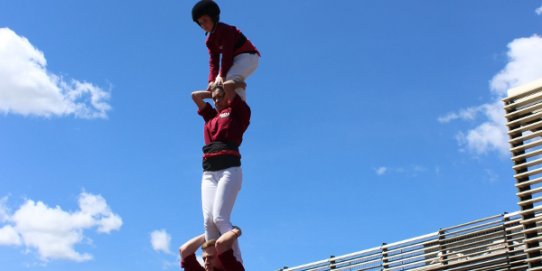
[
  {"x": 27, "y": 88},
  {"x": 9, "y": 236},
  {"x": 52, "y": 232},
  {"x": 409, "y": 171},
  {"x": 539, "y": 10},
  {"x": 464, "y": 114},
  {"x": 381, "y": 171},
  {"x": 160, "y": 241},
  {"x": 524, "y": 65},
  {"x": 95, "y": 206},
  {"x": 109, "y": 223},
  {"x": 490, "y": 135},
  {"x": 491, "y": 176},
  {"x": 4, "y": 211}
]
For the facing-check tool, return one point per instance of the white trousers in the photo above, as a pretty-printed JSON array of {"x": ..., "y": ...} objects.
[
  {"x": 243, "y": 66},
  {"x": 219, "y": 191}
]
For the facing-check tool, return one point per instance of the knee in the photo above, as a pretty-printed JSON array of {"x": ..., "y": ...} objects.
[
  {"x": 208, "y": 222},
  {"x": 222, "y": 224},
  {"x": 229, "y": 85},
  {"x": 218, "y": 220},
  {"x": 235, "y": 84}
]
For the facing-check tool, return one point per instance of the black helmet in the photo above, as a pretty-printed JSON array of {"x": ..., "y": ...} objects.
[{"x": 206, "y": 7}]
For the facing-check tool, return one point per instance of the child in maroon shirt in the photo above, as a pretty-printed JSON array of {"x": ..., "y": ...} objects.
[{"x": 239, "y": 56}]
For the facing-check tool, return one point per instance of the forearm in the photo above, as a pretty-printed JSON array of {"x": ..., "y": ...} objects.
[
  {"x": 199, "y": 96},
  {"x": 191, "y": 246},
  {"x": 226, "y": 240}
]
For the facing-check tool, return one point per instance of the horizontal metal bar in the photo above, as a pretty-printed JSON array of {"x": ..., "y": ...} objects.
[
  {"x": 534, "y": 259},
  {"x": 473, "y": 222},
  {"x": 520, "y": 261},
  {"x": 352, "y": 266},
  {"x": 531, "y": 220},
  {"x": 424, "y": 244},
  {"x": 510, "y": 215},
  {"x": 407, "y": 255},
  {"x": 528, "y": 164},
  {"x": 526, "y": 148},
  {"x": 525, "y": 119},
  {"x": 482, "y": 227},
  {"x": 389, "y": 246},
  {"x": 530, "y": 182},
  {"x": 355, "y": 265},
  {"x": 518, "y": 228},
  {"x": 530, "y": 201},
  {"x": 356, "y": 260},
  {"x": 530, "y": 211},
  {"x": 524, "y": 137},
  {"x": 531, "y": 108},
  {"x": 471, "y": 246},
  {"x": 525, "y": 155},
  {"x": 537, "y": 238},
  {"x": 529, "y": 97},
  {"x": 528, "y": 173},
  {"x": 533, "y": 249},
  {"x": 537, "y": 230},
  {"x": 529, "y": 192},
  {"x": 525, "y": 128}
]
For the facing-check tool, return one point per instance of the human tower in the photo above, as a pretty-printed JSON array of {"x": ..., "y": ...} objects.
[{"x": 232, "y": 59}]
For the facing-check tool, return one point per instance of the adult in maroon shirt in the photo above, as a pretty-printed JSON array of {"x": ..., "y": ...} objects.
[
  {"x": 217, "y": 255},
  {"x": 222, "y": 175}
]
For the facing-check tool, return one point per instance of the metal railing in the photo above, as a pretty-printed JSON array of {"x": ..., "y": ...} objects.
[{"x": 492, "y": 243}]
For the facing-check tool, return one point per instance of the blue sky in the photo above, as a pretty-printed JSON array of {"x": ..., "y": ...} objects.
[{"x": 373, "y": 121}]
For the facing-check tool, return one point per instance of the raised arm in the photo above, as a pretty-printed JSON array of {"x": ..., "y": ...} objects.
[
  {"x": 226, "y": 240},
  {"x": 191, "y": 246},
  {"x": 199, "y": 96}
]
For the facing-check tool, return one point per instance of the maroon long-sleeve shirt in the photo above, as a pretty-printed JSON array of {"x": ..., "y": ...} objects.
[
  {"x": 223, "y": 133},
  {"x": 227, "y": 259},
  {"x": 229, "y": 124},
  {"x": 228, "y": 41}
]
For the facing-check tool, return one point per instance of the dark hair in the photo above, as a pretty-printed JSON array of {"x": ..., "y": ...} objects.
[
  {"x": 217, "y": 86},
  {"x": 210, "y": 243},
  {"x": 206, "y": 7}
]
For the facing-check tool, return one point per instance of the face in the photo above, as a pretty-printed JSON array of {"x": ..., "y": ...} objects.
[
  {"x": 218, "y": 97},
  {"x": 206, "y": 23},
  {"x": 210, "y": 258}
]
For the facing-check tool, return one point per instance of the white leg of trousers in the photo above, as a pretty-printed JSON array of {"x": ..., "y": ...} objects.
[
  {"x": 219, "y": 192},
  {"x": 229, "y": 185},
  {"x": 209, "y": 184},
  {"x": 243, "y": 66}
]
